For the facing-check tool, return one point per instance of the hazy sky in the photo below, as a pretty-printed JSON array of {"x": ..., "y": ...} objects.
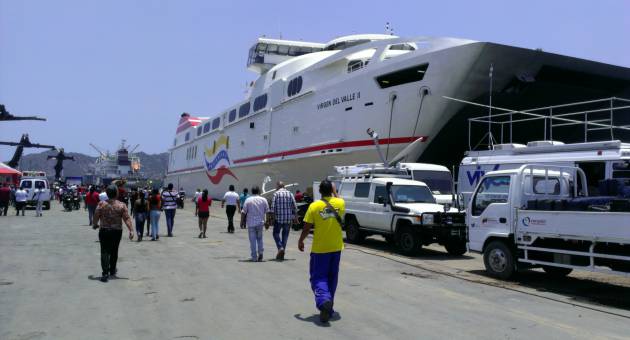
[{"x": 101, "y": 71}]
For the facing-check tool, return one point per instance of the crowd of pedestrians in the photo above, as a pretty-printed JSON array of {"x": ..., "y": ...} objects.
[{"x": 111, "y": 207}]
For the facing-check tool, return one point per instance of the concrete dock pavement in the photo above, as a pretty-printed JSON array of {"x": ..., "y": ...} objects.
[{"x": 189, "y": 288}]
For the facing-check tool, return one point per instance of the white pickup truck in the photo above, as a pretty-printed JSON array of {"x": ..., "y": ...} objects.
[{"x": 542, "y": 216}]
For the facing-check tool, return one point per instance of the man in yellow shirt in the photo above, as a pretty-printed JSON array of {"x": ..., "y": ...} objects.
[{"x": 326, "y": 216}]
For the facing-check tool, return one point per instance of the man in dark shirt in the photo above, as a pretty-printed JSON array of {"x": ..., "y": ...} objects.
[
  {"x": 111, "y": 214},
  {"x": 5, "y": 197}
]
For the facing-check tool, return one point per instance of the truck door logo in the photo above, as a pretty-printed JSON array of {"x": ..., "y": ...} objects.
[{"x": 475, "y": 176}]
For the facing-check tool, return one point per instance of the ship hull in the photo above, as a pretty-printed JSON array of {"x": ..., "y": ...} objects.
[{"x": 300, "y": 140}]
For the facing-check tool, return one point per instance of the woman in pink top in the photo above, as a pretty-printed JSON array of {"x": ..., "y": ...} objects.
[{"x": 203, "y": 203}]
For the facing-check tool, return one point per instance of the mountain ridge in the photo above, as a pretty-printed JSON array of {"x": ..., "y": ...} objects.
[{"x": 153, "y": 165}]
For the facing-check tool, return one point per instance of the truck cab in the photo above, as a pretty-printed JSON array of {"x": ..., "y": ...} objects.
[
  {"x": 394, "y": 208},
  {"x": 543, "y": 216}
]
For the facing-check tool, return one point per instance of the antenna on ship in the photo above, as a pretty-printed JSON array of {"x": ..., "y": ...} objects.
[
  {"x": 490, "y": 108},
  {"x": 389, "y": 29}
]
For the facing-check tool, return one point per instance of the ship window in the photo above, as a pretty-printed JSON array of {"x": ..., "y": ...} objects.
[
  {"x": 273, "y": 76},
  {"x": 283, "y": 50},
  {"x": 215, "y": 123},
  {"x": 187, "y": 138},
  {"x": 402, "y": 47},
  {"x": 295, "y": 86},
  {"x": 272, "y": 49},
  {"x": 260, "y": 102},
  {"x": 232, "y": 115},
  {"x": 354, "y": 65},
  {"x": 261, "y": 47},
  {"x": 206, "y": 127},
  {"x": 243, "y": 110},
  {"x": 175, "y": 142},
  {"x": 199, "y": 129},
  {"x": 404, "y": 76}
]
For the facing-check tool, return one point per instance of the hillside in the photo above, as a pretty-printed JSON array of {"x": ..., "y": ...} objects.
[{"x": 154, "y": 166}]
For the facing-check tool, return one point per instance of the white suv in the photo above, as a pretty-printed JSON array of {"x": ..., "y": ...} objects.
[{"x": 403, "y": 211}]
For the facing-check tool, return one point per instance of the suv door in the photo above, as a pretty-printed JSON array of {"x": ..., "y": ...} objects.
[
  {"x": 489, "y": 212},
  {"x": 381, "y": 213}
]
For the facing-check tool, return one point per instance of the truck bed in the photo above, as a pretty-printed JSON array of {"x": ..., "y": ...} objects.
[{"x": 578, "y": 225}]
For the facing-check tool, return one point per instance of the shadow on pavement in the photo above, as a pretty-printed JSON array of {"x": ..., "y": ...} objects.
[
  {"x": 577, "y": 289},
  {"x": 98, "y": 278},
  {"x": 430, "y": 254},
  {"x": 315, "y": 319}
]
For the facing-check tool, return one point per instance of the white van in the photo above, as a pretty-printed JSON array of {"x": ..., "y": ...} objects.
[
  {"x": 598, "y": 160},
  {"x": 32, "y": 180}
]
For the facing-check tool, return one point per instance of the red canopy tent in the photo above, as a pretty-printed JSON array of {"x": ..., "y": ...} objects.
[{"x": 9, "y": 175}]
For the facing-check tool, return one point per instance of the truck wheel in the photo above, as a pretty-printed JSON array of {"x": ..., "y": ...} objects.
[
  {"x": 407, "y": 240},
  {"x": 353, "y": 234},
  {"x": 456, "y": 248},
  {"x": 46, "y": 205},
  {"x": 498, "y": 260},
  {"x": 557, "y": 272}
]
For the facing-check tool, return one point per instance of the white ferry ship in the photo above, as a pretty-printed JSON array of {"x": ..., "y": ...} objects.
[{"x": 312, "y": 103}]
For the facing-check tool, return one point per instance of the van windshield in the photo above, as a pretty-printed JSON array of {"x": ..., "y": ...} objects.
[
  {"x": 438, "y": 181},
  {"x": 412, "y": 194}
]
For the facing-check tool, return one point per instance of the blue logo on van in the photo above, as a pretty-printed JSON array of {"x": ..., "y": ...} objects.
[
  {"x": 526, "y": 221},
  {"x": 475, "y": 176}
]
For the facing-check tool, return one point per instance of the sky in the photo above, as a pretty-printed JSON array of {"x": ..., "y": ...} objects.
[{"x": 101, "y": 71}]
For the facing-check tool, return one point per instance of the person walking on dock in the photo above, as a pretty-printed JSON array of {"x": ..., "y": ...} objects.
[
  {"x": 255, "y": 212},
  {"x": 231, "y": 203},
  {"x": 155, "y": 206},
  {"x": 5, "y": 198},
  {"x": 203, "y": 204},
  {"x": 284, "y": 210},
  {"x": 91, "y": 200},
  {"x": 38, "y": 197},
  {"x": 169, "y": 204},
  {"x": 140, "y": 210},
  {"x": 20, "y": 201},
  {"x": 111, "y": 214},
  {"x": 196, "y": 199},
  {"x": 326, "y": 216},
  {"x": 241, "y": 201}
]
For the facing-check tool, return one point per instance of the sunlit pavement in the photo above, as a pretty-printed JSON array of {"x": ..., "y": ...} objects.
[{"x": 190, "y": 288}]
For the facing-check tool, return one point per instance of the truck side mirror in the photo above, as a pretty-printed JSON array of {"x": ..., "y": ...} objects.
[{"x": 381, "y": 200}]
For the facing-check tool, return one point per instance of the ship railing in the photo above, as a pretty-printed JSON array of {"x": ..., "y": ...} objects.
[{"x": 589, "y": 116}]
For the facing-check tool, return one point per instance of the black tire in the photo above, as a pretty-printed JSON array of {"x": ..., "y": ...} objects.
[
  {"x": 557, "y": 272},
  {"x": 353, "y": 233},
  {"x": 456, "y": 248},
  {"x": 46, "y": 205},
  {"x": 499, "y": 260},
  {"x": 390, "y": 239},
  {"x": 407, "y": 240}
]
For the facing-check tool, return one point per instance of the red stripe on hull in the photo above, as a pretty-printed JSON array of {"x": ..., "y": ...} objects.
[{"x": 351, "y": 144}]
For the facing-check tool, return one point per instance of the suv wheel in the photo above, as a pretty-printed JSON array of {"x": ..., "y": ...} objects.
[
  {"x": 456, "y": 248},
  {"x": 407, "y": 240},
  {"x": 46, "y": 205},
  {"x": 353, "y": 234},
  {"x": 498, "y": 260}
]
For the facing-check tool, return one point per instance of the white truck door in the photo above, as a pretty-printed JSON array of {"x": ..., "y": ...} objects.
[{"x": 489, "y": 211}]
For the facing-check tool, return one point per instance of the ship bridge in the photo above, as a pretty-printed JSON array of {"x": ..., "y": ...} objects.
[{"x": 266, "y": 53}]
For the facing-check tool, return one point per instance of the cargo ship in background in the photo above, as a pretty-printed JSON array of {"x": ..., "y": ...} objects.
[
  {"x": 312, "y": 103},
  {"x": 108, "y": 167}
]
